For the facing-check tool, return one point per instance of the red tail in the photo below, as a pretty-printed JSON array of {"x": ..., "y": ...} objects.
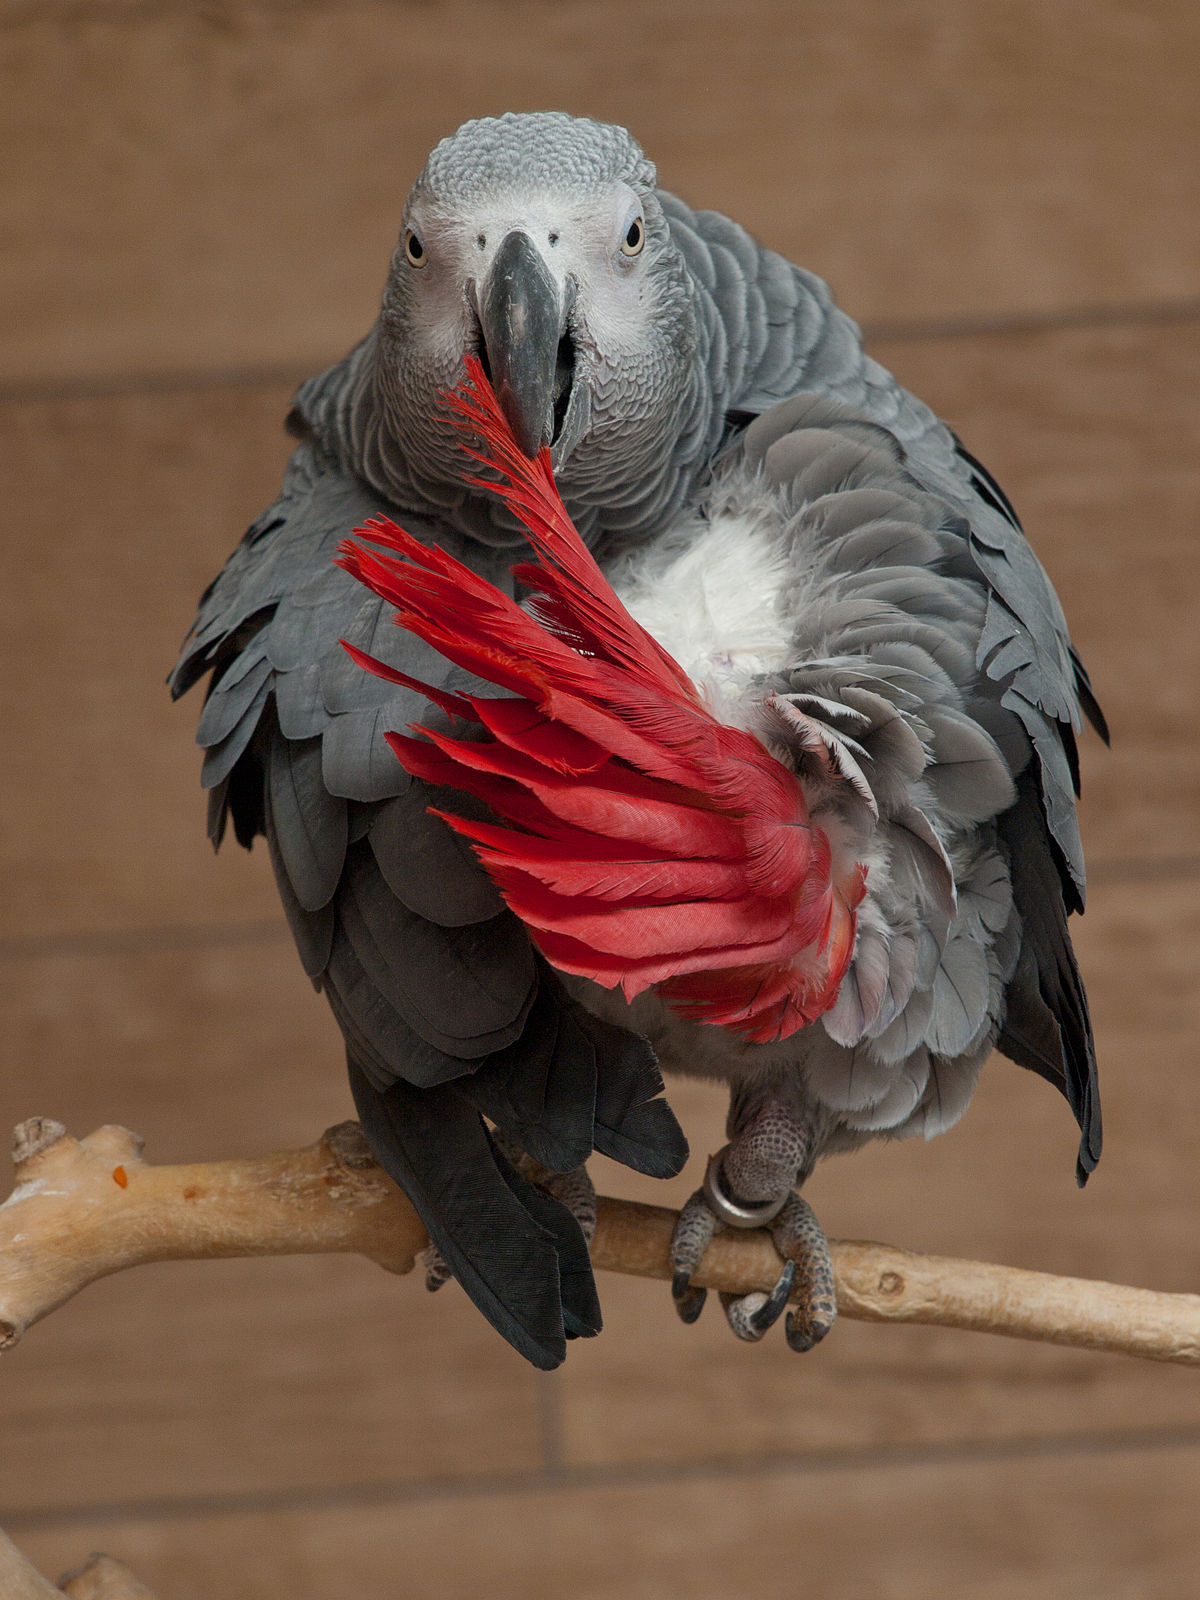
[{"x": 650, "y": 844}]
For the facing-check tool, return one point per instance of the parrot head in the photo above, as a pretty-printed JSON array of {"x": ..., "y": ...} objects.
[{"x": 537, "y": 243}]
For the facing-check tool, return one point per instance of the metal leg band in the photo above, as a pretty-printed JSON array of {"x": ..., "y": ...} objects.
[{"x": 731, "y": 1212}]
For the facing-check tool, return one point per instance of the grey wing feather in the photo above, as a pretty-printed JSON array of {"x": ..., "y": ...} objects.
[
  {"x": 298, "y": 703},
  {"x": 465, "y": 989},
  {"x": 429, "y": 868},
  {"x": 430, "y": 979},
  {"x": 310, "y": 824},
  {"x": 221, "y": 757},
  {"x": 318, "y": 747}
]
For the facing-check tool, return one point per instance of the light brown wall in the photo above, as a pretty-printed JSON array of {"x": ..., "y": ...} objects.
[{"x": 196, "y": 205}]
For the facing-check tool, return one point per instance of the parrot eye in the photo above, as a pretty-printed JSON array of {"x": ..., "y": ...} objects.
[
  {"x": 635, "y": 238},
  {"x": 414, "y": 250}
]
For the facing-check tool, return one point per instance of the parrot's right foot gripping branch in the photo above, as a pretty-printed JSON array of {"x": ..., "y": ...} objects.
[{"x": 749, "y": 1185}]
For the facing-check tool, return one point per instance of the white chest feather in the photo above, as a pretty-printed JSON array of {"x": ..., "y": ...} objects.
[{"x": 709, "y": 593}]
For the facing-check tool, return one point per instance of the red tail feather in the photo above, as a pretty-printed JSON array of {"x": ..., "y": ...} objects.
[{"x": 642, "y": 841}]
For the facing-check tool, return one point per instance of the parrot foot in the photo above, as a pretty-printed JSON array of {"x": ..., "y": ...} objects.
[
  {"x": 573, "y": 1189},
  {"x": 797, "y": 1236}
]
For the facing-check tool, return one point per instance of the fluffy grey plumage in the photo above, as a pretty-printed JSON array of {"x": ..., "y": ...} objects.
[
  {"x": 915, "y": 639},
  {"x": 861, "y": 673}
]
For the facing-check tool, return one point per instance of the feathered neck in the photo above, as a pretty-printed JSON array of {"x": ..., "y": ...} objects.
[{"x": 350, "y": 412}]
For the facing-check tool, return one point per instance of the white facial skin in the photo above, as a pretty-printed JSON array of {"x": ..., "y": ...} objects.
[
  {"x": 596, "y": 247},
  {"x": 624, "y": 298}
]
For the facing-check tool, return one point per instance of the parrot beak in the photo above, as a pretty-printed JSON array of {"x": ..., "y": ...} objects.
[{"x": 527, "y": 348}]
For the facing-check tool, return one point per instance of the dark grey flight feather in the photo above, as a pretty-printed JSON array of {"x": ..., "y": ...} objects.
[
  {"x": 543, "y": 1091},
  {"x": 1047, "y": 1026},
  {"x": 429, "y": 869},
  {"x": 520, "y": 1255},
  {"x": 310, "y": 823}
]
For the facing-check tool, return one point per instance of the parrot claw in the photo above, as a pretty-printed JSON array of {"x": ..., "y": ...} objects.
[
  {"x": 751, "y": 1315},
  {"x": 770, "y": 1313},
  {"x": 436, "y": 1271},
  {"x": 802, "y": 1333},
  {"x": 689, "y": 1302}
]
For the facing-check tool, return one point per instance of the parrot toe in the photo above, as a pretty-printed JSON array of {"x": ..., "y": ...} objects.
[
  {"x": 693, "y": 1233},
  {"x": 436, "y": 1271},
  {"x": 807, "y": 1274},
  {"x": 573, "y": 1189},
  {"x": 750, "y": 1315},
  {"x": 799, "y": 1238}
]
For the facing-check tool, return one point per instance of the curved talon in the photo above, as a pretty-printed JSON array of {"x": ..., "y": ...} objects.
[
  {"x": 771, "y": 1310},
  {"x": 804, "y": 1335},
  {"x": 689, "y": 1302},
  {"x": 750, "y": 1315}
]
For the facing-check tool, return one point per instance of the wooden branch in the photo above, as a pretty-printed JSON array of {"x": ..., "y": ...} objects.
[
  {"x": 879, "y": 1283},
  {"x": 100, "y": 1578},
  {"x": 19, "y": 1580},
  {"x": 84, "y": 1208}
]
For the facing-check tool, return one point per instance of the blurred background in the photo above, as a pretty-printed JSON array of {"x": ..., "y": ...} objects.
[{"x": 197, "y": 205}]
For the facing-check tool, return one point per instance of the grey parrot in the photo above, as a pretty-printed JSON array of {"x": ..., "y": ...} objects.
[{"x": 839, "y": 578}]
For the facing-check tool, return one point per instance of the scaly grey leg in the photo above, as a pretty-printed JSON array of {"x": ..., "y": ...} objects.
[
  {"x": 749, "y": 1185},
  {"x": 692, "y": 1237}
]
